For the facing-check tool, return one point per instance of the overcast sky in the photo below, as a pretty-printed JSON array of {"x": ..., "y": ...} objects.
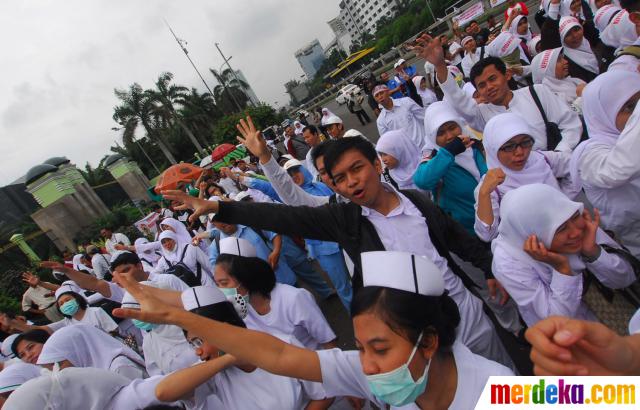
[{"x": 62, "y": 60}]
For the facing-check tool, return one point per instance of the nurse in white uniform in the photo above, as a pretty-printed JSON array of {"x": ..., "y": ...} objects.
[
  {"x": 221, "y": 379},
  {"x": 86, "y": 346},
  {"x": 272, "y": 307},
  {"x": 75, "y": 309},
  {"x": 14, "y": 376},
  {"x": 545, "y": 242},
  {"x": 405, "y": 332}
]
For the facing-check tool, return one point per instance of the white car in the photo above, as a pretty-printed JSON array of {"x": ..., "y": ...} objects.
[{"x": 347, "y": 90}]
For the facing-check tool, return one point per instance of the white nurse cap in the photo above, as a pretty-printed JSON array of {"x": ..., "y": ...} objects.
[
  {"x": 237, "y": 246},
  {"x": 201, "y": 296}
]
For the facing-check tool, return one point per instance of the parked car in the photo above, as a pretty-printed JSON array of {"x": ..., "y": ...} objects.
[{"x": 347, "y": 90}]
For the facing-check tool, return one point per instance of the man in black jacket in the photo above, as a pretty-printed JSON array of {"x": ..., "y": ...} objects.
[{"x": 377, "y": 218}]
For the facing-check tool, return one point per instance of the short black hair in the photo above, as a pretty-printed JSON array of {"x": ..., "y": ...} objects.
[
  {"x": 125, "y": 258},
  {"x": 336, "y": 150},
  {"x": 254, "y": 274},
  {"x": 630, "y": 5},
  {"x": 479, "y": 67},
  {"x": 319, "y": 150},
  {"x": 34, "y": 335},
  {"x": 311, "y": 128},
  {"x": 409, "y": 313},
  {"x": 82, "y": 302}
]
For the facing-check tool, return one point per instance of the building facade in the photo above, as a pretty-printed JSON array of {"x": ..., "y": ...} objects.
[
  {"x": 343, "y": 38},
  {"x": 310, "y": 58},
  {"x": 248, "y": 90},
  {"x": 361, "y": 16}
]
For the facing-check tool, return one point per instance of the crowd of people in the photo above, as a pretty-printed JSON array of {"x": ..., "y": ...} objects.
[{"x": 500, "y": 198}]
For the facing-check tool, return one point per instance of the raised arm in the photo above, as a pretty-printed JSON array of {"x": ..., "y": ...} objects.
[
  {"x": 274, "y": 355},
  {"x": 85, "y": 281}
]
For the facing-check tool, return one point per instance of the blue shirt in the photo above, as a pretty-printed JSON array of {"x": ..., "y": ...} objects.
[{"x": 394, "y": 84}]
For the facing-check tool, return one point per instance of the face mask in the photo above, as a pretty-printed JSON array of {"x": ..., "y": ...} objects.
[
  {"x": 397, "y": 387},
  {"x": 144, "y": 325},
  {"x": 70, "y": 308},
  {"x": 232, "y": 294}
]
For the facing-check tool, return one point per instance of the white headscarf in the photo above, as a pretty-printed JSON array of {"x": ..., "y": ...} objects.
[
  {"x": 565, "y": 10},
  {"x": 504, "y": 44},
  {"x": 297, "y": 127},
  {"x": 179, "y": 229},
  {"x": 544, "y": 72},
  {"x": 85, "y": 346},
  {"x": 583, "y": 55},
  {"x": 68, "y": 389},
  {"x": 174, "y": 254},
  {"x": 604, "y": 15},
  {"x": 15, "y": 375},
  {"x": 497, "y": 132},
  {"x": 620, "y": 32},
  {"x": 150, "y": 251},
  {"x": 326, "y": 114},
  {"x": 532, "y": 45},
  {"x": 534, "y": 209},
  {"x": 436, "y": 115},
  {"x": 513, "y": 28},
  {"x": 399, "y": 145},
  {"x": 427, "y": 95},
  {"x": 602, "y": 100}
]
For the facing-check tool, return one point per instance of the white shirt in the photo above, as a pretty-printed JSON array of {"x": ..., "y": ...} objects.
[
  {"x": 93, "y": 316},
  {"x": 40, "y": 296},
  {"x": 469, "y": 60},
  {"x": 289, "y": 192},
  {"x": 522, "y": 103},
  {"x": 110, "y": 244},
  {"x": 193, "y": 257},
  {"x": 405, "y": 229},
  {"x": 239, "y": 390},
  {"x": 452, "y": 49},
  {"x": 100, "y": 263},
  {"x": 342, "y": 375},
  {"x": 540, "y": 291},
  {"x": 295, "y": 312},
  {"x": 310, "y": 165},
  {"x": 404, "y": 114},
  {"x": 228, "y": 185}
]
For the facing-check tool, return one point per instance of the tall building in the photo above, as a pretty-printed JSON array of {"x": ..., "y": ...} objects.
[
  {"x": 361, "y": 16},
  {"x": 310, "y": 58},
  {"x": 343, "y": 38},
  {"x": 248, "y": 89}
]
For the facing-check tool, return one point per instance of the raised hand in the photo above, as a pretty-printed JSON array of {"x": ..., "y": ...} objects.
[
  {"x": 152, "y": 309},
  {"x": 466, "y": 140},
  {"x": 536, "y": 249},
  {"x": 430, "y": 49},
  {"x": 198, "y": 205},
  {"x": 568, "y": 347},
  {"x": 30, "y": 279},
  {"x": 53, "y": 265},
  {"x": 492, "y": 179},
  {"x": 252, "y": 138},
  {"x": 590, "y": 248}
]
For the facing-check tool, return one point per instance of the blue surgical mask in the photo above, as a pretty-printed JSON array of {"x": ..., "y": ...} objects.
[
  {"x": 144, "y": 325},
  {"x": 397, "y": 387},
  {"x": 70, "y": 308}
]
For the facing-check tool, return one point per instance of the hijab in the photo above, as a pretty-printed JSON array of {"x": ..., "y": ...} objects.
[
  {"x": 583, "y": 55},
  {"x": 532, "y": 45},
  {"x": 544, "y": 72},
  {"x": 602, "y": 99},
  {"x": 604, "y": 15},
  {"x": 311, "y": 187},
  {"x": 68, "y": 389},
  {"x": 565, "y": 10},
  {"x": 149, "y": 251},
  {"x": 497, "y": 132},
  {"x": 508, "y": 48},
  {"x": 439, "y": 113},
  {"x": 427, "y": 95},
  {"x": 85, "y": 346},
  {"x": 15, "y": 375},
  {"x": 519, "y": 220},
  {"x": 620, "y": 32},
  {"x": 513, "y": 29},
  {"x": 297, "y": 127},
  {"x": 399, "y": 145},
  {"x": 326, "y": 114},
  {"x": 178, "y": 227},
  {"x": 174, "y": 254}
]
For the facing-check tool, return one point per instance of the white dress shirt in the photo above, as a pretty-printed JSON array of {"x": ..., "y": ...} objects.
[
  {"x": 116, "y": 238},
  {"x": 404, "y": 114},
  {"x": 522, "y": 103}
]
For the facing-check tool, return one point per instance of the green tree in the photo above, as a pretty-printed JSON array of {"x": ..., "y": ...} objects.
[
  {"x": 98, "y": 175},
  {"x": 137, "y": 109},
  {"x": 229, "y": 95}
]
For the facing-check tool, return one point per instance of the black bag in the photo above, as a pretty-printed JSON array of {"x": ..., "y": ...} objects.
[
  {"x": 181, "y": 271},
  {"x": 554, "y": 135}
]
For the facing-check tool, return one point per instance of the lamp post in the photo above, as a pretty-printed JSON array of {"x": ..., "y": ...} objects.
[{"x": 226, "y": 60}]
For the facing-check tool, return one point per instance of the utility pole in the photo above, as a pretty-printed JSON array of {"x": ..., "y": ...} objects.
[
  {"x": 182, "y": 45},
  {"x": 226, "y": 60},
  {"x": 431, "y": 11}
]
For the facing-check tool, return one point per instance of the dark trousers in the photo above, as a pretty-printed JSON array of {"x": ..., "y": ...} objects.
[{"x": 363, "y": 117}]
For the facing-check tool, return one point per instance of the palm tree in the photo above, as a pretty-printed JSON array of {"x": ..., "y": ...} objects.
[
  {"x": 136, "y": 109},
  {"x": 165, "y": 96},
  {"x": 200, "y": 111},
  {"x": 229, "y": 95}
]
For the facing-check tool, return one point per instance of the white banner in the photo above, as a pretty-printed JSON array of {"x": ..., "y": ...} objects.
[
  {"x": 469, "y": 14},
  {"x": 494, "y": 3},
  {"x": 148, "y": 224},
  {"x": 547, "y": 392}
]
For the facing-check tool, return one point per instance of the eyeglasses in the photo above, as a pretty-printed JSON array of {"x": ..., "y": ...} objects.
[
  {"x": 524, "y": 144},
  {"x": 196, "y": 343}
]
